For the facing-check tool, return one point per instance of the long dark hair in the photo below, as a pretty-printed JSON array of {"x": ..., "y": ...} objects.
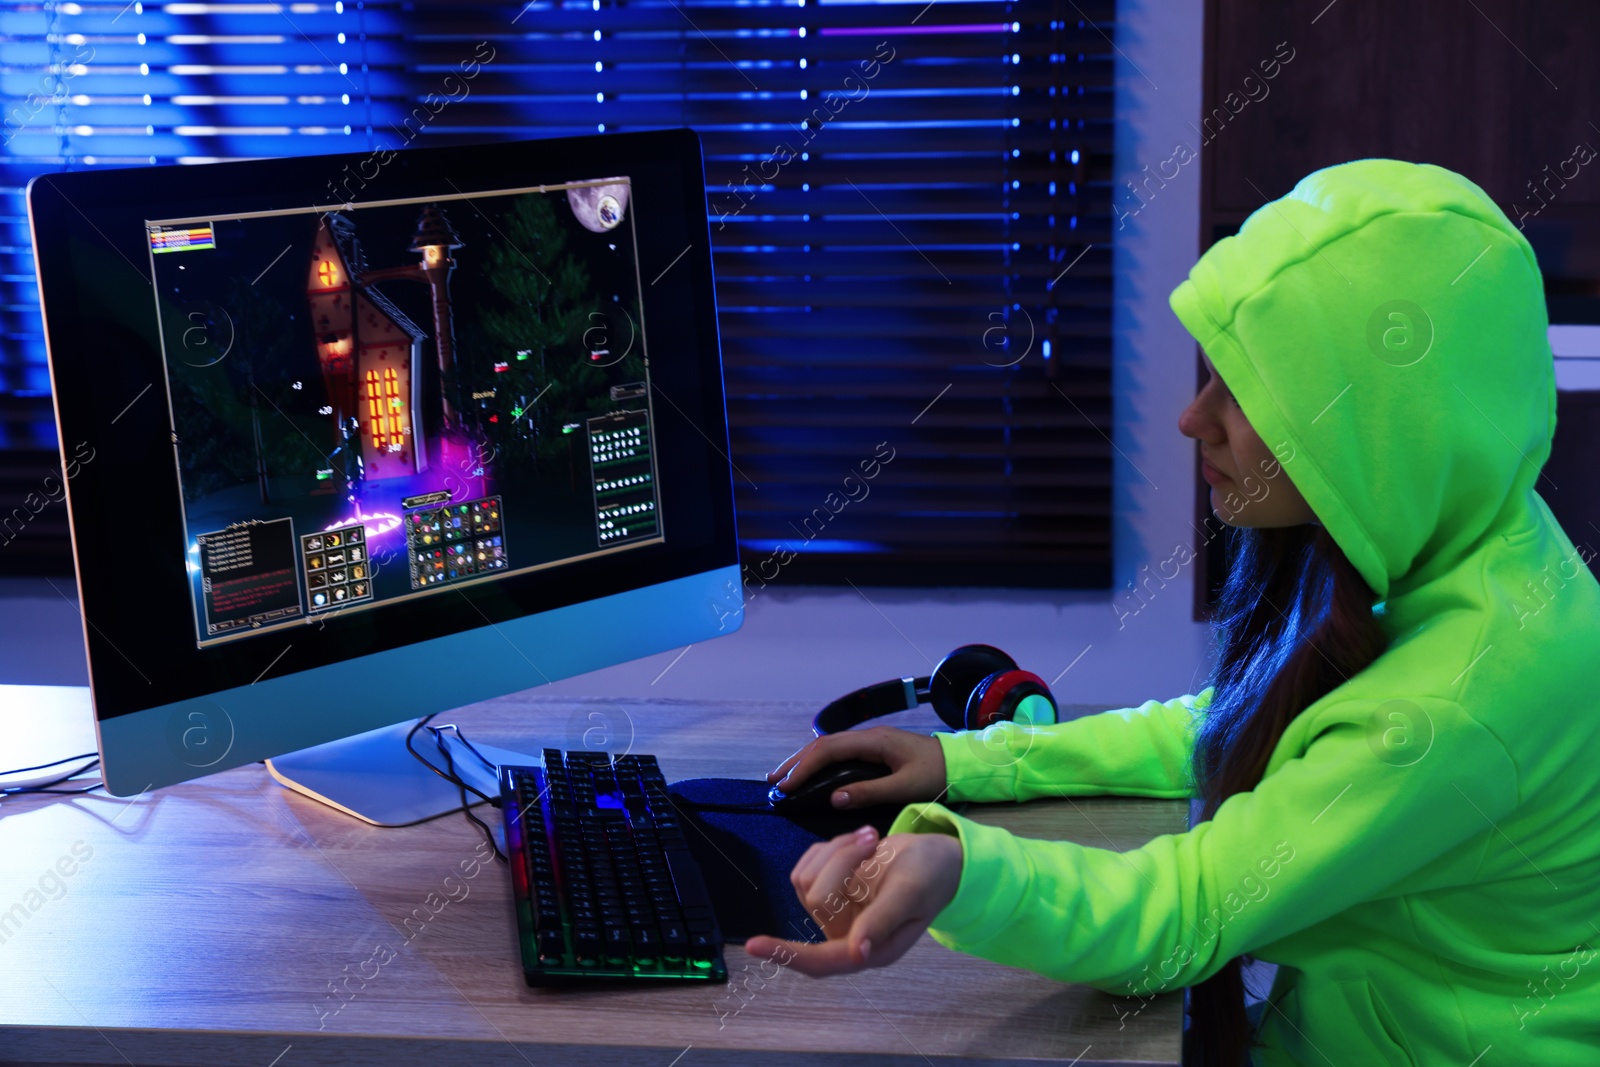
[{"x": 1294, "y": 621}]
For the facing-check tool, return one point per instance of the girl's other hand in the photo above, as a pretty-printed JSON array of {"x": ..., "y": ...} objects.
[{"x": 872, "y": 898}]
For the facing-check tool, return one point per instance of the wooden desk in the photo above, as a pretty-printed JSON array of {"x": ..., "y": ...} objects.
[{"x": 212, "y": 921}]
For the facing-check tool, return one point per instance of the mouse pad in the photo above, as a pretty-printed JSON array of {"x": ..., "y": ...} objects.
[{"x": 746, "y": 855}]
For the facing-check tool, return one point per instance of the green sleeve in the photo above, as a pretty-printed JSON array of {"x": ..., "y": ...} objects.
[
  {"x": 1140, "y": 751},
  {"x": 1326, "y": 829}
]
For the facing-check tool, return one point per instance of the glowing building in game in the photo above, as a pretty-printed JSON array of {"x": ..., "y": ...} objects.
[{"x": 369, "y": 353}]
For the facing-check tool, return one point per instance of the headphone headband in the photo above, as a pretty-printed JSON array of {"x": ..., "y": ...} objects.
[{"x": 885, "y": 698}]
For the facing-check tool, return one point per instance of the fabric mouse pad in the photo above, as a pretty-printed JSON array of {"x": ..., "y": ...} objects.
[{"x": 746, "y": 856}]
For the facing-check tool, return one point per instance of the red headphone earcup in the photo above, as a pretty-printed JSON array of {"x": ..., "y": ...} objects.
[
  {"x": 996, "y": 697},
  {"x": 958, "y": 674}
]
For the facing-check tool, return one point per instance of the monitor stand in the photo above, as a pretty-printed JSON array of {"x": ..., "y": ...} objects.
[{"x": 374, "y": 778}]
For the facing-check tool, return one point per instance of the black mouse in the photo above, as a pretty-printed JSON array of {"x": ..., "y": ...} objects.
[{"x": 815, "y": 793}]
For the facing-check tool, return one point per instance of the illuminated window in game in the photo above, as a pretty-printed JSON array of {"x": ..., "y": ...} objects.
[
  {"x": 375, "y": 409},
  {"x": 391, "y": 399}
]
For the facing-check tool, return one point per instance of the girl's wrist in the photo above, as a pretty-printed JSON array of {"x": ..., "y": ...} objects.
[{"x": 952, "y": 861}]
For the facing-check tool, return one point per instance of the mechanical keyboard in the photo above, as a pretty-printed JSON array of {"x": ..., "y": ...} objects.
[{"x": 603, "y": 883}]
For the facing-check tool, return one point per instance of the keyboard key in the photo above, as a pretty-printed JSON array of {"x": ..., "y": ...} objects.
[
  {"x": 551, "y": 944},
  {"x": 586, "y": 943},
  {"x": 686, "y": 877}
]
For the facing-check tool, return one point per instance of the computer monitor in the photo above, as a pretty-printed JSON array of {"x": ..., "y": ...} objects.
[{"x": 348, "y": 440}]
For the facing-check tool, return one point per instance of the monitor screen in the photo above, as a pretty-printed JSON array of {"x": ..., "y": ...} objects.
[
  {"x": 379, "y": 434},
  {"x": 408, "y": 395}
]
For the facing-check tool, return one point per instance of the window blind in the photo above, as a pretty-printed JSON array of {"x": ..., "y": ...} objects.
[{"x": 911, "y": 229}]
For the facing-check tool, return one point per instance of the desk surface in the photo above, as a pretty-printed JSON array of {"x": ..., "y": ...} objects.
[{"x": 213, "y": 922}]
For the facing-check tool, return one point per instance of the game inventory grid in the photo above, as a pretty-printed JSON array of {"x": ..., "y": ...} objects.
[
  {"x": 455, "y": 541},
  {"x": 624, "y": 481},
  {"x": 336, "y": 566}
]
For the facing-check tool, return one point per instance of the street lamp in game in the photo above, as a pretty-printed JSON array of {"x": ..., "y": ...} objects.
[{"x": 434, "y": 240}]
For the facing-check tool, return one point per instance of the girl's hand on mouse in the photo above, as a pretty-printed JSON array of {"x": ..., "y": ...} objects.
[
  {"x": 915, "y": 762},
  {"x": 872, "y": 898}
]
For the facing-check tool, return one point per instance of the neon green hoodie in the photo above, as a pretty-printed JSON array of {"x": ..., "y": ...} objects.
[{"x": 1422, "y": 856}]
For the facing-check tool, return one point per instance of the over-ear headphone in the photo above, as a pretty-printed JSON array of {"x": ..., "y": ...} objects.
[{"x": 970, "y": 688}]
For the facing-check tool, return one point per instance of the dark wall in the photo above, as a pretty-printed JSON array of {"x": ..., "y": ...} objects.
[{"x": 1500, "y": 91}]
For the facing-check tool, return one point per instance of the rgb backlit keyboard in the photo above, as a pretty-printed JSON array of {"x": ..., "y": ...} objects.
[{"x": 603, "y": 882}]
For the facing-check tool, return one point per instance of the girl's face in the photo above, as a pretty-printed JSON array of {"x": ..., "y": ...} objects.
[{"x": 1248, "y": 486}]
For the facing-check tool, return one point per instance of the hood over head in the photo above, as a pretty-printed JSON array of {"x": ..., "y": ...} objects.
[{"x": 1383, "y": 328}]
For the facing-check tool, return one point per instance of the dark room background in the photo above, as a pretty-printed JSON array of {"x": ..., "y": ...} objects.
[{"x": 910, "y": 224}]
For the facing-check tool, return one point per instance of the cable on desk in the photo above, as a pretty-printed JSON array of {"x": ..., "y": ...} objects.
[
  {"x": 453, "y": 778},
  {"x": 494, "y": 768},
  {"x": 466, "y": 809},
  {"x": 41, "y": 766},
  {"x": 44, "y": 787}
]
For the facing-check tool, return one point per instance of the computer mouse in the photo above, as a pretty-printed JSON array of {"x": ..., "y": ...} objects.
[{"x": 815, "y": 793}]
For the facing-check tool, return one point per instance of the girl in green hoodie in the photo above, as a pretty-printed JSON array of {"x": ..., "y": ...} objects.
[{"x": 1396, "y": 756}]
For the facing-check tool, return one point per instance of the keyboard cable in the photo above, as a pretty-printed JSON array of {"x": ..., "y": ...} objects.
[{"x": 453, "y": 778}]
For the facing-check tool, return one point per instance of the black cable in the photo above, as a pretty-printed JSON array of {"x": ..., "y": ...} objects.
[
  {"x": 451, "y": 778},
  {"x": 419, "y": 724},
  {"x": 35, "y": 790},
  {"x": 466, "y": 809},
  {"x": 44, "y": 787},
  {"x": 455, "y": 779},
  {"x": 41, "y": 766},
  {"x": 494, "y": 768}
]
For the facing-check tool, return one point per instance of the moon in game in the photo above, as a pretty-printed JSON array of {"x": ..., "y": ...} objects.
[{"x": 599, "y": 207}]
